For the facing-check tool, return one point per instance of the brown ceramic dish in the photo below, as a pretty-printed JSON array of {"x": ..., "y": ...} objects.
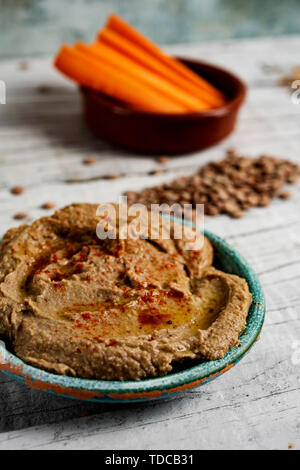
[{"x": 154, "y": 133}]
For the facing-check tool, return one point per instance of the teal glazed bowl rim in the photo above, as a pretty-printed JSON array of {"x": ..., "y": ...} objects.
[{"x": 153, "y": 388}]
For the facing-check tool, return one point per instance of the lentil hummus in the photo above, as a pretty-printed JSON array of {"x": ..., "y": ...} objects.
[{"x": 113, "y": 309}]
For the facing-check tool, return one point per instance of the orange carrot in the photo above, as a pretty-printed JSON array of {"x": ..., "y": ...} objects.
[
  {"x": 118, "y": 25},
  {"x": 143, "y": 57},
  {"x": 104, "y": 78},
  {"x": 107, "y": 55}
]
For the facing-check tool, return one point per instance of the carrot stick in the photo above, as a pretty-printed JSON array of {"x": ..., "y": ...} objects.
[
  {"x": 104, "y": 78},
  {"x": 143, "y": 57},
  {"x": 106, "y": 54},
  {"x": 118, "y": 25}
]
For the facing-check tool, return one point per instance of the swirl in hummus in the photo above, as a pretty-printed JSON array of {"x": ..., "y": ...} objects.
[{"x": 113, "y": 309}]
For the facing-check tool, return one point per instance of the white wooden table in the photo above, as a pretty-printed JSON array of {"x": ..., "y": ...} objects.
[{"x": 42, "y": 143}]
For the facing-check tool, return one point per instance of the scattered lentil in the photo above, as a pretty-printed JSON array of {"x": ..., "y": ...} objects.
[
  {"x": 24, "y": 65},
  {"x": 48, "y": 205},
  {"x": 163, "y": 160},
  {"x": 20, "y": 216},
  {"x": 89, "y": 161},
  {"x": 17, "y": 190},
  {"x": 113, "y": 177},
  {"x": 287, "y": 80},
  {"x": 285, "y": 195},
  {"x": 43, "y": 89}
]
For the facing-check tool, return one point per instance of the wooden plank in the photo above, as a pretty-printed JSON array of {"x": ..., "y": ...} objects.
[{"x": 256, "y": 405}]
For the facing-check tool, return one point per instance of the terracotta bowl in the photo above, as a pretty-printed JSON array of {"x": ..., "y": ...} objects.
[
  {"x": 192, "y": 375},
  {"x": 154, "y": 133}
]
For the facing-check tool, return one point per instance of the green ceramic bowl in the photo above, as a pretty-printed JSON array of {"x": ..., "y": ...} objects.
[{"x": 227, "y": 259}]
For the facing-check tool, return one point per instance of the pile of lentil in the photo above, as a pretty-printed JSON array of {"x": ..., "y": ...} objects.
[{"x": 230, "y": 186}]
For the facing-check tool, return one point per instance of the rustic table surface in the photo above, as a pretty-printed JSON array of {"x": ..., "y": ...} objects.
[{"x": 42, "y": 144}]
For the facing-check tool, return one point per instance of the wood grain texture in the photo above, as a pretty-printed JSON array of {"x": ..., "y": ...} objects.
[{"x": 42, "y": 143}]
